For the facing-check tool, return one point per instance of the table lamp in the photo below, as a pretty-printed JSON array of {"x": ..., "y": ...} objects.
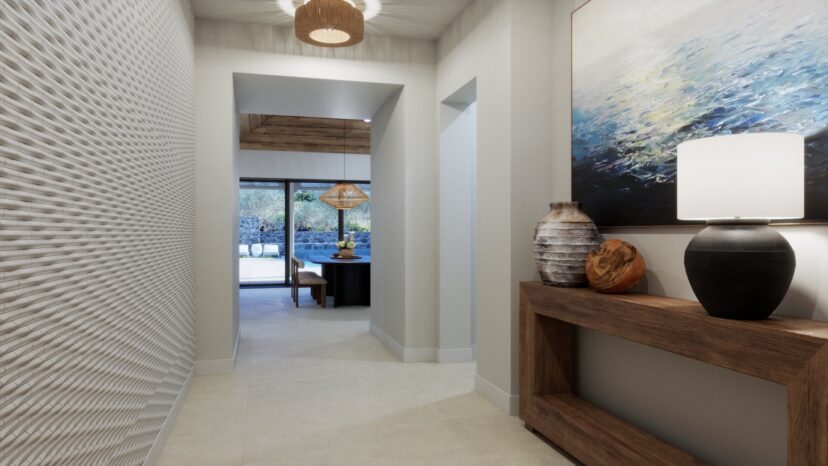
[{"x": 739, "y": 267}]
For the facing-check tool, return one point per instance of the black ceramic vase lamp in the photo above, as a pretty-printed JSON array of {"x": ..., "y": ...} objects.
[{"x": 739, "y": 267}]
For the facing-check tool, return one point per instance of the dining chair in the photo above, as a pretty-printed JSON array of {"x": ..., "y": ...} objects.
[{"x": 318, "y": 285}]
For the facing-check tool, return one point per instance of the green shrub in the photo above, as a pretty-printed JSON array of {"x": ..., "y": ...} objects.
[
  {"x": 265, "y": 204},
  {"x": 313, "y": 214},
  {"x": 309, "y": 213}
]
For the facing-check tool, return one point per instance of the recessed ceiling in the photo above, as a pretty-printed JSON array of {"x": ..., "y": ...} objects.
[
  {"x": 414, "y": 19},
  {"x": 308, "y": 97}
]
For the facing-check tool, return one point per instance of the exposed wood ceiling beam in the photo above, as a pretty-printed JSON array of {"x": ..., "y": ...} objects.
[{"x": 304, "y": 134}]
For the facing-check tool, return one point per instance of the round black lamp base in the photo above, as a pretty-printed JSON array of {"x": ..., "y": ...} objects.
[{"x": 739, "y": 271}]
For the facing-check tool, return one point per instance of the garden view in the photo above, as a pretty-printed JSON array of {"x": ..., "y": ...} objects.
[{"x": 262, "y": 213}]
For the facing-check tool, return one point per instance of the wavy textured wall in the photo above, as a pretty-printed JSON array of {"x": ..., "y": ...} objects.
[{"x": 96, "y": 226}]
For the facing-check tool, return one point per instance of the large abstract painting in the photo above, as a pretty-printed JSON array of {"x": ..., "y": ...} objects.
[{"x": 649, "y": 74}]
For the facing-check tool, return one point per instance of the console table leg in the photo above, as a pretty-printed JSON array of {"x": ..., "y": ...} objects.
[
  {"x": 547, "y": 347},
  {"x": 808, "y": 413}
]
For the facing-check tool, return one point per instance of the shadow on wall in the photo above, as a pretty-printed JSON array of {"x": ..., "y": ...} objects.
[
  {"x": 806, "y": 298},
  {"x": 663, "y": 250},
  {"x": 801, "y": 302},
  {"x": 650, "y": 284}
]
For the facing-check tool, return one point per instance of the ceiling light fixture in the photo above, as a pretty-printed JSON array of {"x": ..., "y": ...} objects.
[{"x": 330, "y": 23}]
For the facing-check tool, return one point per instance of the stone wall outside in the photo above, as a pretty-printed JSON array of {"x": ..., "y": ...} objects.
[{"x": 250, "y": 236}]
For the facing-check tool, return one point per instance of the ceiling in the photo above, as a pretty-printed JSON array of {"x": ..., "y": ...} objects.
[
  {"x": 414, "y": 19},
  {"x": 308, "y": 97}
]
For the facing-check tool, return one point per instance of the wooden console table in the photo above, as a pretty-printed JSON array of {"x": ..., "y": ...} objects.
[{"x": 791, "y": 352}]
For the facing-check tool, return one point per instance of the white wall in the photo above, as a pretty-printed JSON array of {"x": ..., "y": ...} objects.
[
  {"x": 479, "y": 38},
  {"x": 533, "y": 157},
  {"x": 403, "y": 199},
  {"x": 458, "y": 154},
  {"x": 387, "y": 289},
  {"x": 216, "y": 211},
  {"x": 505, "y": 46},
  {"x": 304, "y": 165}
]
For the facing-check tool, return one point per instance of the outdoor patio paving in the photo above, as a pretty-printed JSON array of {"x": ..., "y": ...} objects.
[{"x": 267, "y": 269}]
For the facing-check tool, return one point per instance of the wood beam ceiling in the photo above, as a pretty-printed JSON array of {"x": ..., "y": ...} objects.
[{"x": 304, "y": 134}]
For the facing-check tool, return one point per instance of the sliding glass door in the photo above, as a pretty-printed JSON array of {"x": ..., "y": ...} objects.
[
  {"x": 283, "y": 218},
  {"x": 262, "y": 239}
]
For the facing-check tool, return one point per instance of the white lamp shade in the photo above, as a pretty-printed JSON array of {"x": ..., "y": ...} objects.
[{"x": 748, "y": 176}]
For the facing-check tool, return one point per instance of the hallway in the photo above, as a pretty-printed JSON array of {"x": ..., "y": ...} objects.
[{"x": 312, "y": 386}]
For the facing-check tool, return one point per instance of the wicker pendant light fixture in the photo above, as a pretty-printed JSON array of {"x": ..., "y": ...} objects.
[
  {"x": 330, "y": 23},
  {"x": 344, "y": 196}
]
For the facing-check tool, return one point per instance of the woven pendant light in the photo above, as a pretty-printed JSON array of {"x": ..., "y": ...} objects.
[
  {"x": 330, "y": 23},
  {"x": 344, "y": 196}
]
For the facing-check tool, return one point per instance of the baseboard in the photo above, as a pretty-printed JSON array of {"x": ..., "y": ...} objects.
[
  {"x": 450, "y": 355},
  {"x": 402, "y": 353},
  {"x": 420, "y": 355},
  {"x": 166, "y": 429},
  {"x": 506, "y": 402},
  {"x": 395, "y": 348},
  {"x": 218, "y": 366}
]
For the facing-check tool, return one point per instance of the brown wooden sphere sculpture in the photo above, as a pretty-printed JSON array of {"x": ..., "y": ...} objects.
[{"x": 615, "y": 267}]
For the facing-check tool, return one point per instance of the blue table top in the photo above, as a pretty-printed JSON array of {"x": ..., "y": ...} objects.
[{"x": 327, "y": 259}]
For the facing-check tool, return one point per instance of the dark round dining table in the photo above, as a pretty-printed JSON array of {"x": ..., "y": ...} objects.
[{"x": 349, "y": 280}]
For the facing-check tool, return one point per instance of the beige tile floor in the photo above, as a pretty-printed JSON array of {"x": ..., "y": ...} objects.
[{"x": 313, "y": 387}]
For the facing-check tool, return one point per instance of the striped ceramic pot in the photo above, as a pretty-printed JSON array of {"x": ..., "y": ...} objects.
[{"x": 563, "y": 239}]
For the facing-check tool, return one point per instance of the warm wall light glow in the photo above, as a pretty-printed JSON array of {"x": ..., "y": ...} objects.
[{"x": 370, "y": 9}]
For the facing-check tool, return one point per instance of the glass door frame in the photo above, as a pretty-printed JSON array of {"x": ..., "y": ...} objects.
[
  {"x": 288, "y": 221},
  {"x": 288, "y": 187}
]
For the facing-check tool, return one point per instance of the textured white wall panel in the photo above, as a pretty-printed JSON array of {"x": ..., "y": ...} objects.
[{"x": 96, "y": 226}]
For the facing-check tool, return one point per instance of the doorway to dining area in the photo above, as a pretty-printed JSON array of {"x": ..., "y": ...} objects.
[{"x": 279, "y": 219}]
